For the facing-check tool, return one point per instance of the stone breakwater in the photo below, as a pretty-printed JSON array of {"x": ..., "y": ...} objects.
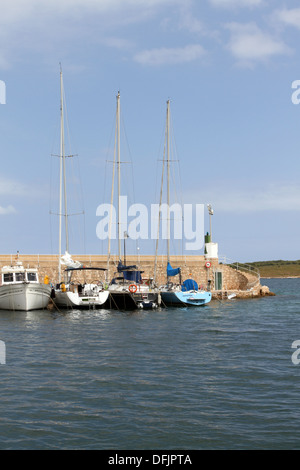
[{"x": 223, "y": 279}]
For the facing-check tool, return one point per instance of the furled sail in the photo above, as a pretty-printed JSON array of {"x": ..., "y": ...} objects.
[
  {"x": 67, "y": 261},
  {"x": 171, "y": 271},
  {"x": 130, "y": 273}
]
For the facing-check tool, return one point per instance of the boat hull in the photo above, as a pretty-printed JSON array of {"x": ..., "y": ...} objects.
[
  {"x": 123, "y": 300},
  {"x": 25, "y": 297},
  {"x": 190, "y": 298},
  {"x": 74, "y": 300}
]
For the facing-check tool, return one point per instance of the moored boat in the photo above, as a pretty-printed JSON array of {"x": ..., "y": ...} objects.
[
  {"x": 128, "y": 291},
  {"x": 20, "y": 289},
  {"x": 85, "y": 294},
  {"x": 186, "y": 293},
  {"x": 69, "y": 293}
]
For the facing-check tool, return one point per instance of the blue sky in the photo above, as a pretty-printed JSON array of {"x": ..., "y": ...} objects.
[{"x": 226, "y": 65}]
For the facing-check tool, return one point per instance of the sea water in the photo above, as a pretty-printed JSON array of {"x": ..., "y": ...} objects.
[{"x": 215, "y": 377}]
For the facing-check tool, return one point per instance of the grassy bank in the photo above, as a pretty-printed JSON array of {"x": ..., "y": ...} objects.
[{"x": 278, "y": 268}]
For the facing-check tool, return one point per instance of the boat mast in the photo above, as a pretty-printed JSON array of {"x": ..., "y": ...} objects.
[
  {"x": 168, "y": 180},
  {"x": 161, "y": 190},
  {"x": 112, "y": 198},
  {"x": 119, "y": 174},
  {"x": 118, "y": 162},
  {"x": 62, "y": 178}
]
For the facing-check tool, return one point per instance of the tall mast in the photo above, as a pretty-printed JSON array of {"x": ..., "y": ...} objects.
[
  {"x": 62, "y": 178},
  {"x": 168, "y": 179},
  {"x": 112, "y": 194},
  {"x": 119, "y": 175},
  {"x": 166, "y": 150}
]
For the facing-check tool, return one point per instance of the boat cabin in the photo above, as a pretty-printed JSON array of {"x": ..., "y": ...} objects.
[{"x": 18, "y": 274}]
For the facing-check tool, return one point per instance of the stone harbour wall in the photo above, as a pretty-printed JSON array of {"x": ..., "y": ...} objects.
[{"x": 242, "y": 284}]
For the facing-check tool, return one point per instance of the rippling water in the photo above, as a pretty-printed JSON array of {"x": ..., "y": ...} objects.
[{"x": 215, "y": 377}]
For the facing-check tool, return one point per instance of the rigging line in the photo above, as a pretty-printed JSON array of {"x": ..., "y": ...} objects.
[
  {"x": 177, "y": 198},
  {"x": 107, "y": 154},
  {"x": 130, "y": 158},
  {"x": 157, "y": 165},
  {"x": 112, "y": 194},
  {"x": 50, "y": 221},
  {"x": 108, "y": 151},
  {"x": 79, "y": 196},
  {"x": 181, "y": 203},
  {"x": 132, "y": 177},
  {"x": 51, "y": 234},
  {"x": 160, "y": 202},
  {"x": 156, "y": 192},
  {"x": 66, "y": 121},
  {"x": 177, "y": 160}
]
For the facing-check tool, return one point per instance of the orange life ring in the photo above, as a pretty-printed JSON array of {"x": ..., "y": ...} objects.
[
  {"x": 208, "y": 264},
  {"x": 132, "y": 288}
]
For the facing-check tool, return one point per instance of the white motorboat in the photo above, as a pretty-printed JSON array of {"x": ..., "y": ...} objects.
[{"x": 20, "y": 289}]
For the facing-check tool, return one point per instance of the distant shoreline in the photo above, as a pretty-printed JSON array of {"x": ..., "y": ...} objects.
[
  {"x": 279, "y": 277},
  {"x": 278, "y": 269}
]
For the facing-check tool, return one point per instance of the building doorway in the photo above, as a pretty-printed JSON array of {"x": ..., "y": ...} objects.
[{"x": 218, "y": 280}]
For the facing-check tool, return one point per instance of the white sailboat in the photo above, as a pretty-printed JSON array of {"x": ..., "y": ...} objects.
[
  {"x": 68, "y": 293},
  {"x": 180, "y": 294},
  {"x": 127, "y": 289},
  {"x": 20, "y": 289},
  {"x": 83, "y": 294}
]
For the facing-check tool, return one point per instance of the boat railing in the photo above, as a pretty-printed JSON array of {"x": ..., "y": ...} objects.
[{"x": 251, "y": 273}]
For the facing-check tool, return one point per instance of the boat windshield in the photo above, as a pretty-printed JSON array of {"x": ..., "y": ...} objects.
[
  {"x": 8, "y": 277},
  {"x": 20, "y": 277}
]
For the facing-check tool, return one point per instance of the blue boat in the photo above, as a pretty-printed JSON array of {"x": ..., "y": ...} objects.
[{"x": 184, "y": 294}]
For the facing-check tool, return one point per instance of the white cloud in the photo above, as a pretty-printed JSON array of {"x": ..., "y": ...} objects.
[
  {"x": 248, "y": 43},
  {"x": 9, "y": 187},
  {"x": 47, "y": 26},
  {"x": 236, "y": 3},
  {"x": 189, "y": 22},
  {"x": 7, "y": 210},
  {"x": 22, "y": 10},
  {"x": 288, "y": 17},
  {"x": 118, "y": 43},
  {"x": 273, "y": 197},
  {"x": 166, "y": 56}
]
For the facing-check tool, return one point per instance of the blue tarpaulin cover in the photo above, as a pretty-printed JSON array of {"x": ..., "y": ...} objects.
[
  {"x": 189, "y": 284},
  {"x": 171, "y": 271},
  {"x": 134, "y": 276},
  {"x": 130, "y": 273}
]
